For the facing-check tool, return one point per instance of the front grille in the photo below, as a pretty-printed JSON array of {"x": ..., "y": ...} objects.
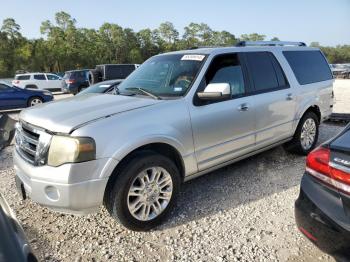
[{"x": 31, "y": 143}]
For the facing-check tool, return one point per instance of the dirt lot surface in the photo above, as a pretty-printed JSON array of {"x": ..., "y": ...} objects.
[{"x": 243, "y": 212}]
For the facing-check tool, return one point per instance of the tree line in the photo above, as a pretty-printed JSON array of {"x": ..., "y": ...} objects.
[{"x": 64, "y": 46}]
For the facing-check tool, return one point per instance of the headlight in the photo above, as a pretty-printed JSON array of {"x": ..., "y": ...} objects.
[
  {"x": 64, "y": 149},
  {"x": 47, "y": 93}
]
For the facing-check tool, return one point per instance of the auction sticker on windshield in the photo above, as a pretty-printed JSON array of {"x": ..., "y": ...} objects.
[{"x": 193, "y": 57}]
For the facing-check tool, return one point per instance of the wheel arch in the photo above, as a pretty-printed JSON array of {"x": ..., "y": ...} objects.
[
  {"x": 27, "y": 86},
  {"x": 34, "y": 96},
  {"x": 310, "y": 108},
  {"x": 159, "y": 147},
  {"x": 315, "y": 109}
]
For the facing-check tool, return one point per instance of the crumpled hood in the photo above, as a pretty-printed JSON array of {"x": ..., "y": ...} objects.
[{"x": 63, "y": 116}]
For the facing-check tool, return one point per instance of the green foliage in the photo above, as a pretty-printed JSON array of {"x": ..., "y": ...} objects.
[
  {"x": 252, "y": 37},
  {"x": 64, "y": 46}
]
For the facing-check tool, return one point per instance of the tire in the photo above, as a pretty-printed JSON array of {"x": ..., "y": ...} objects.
[
  {"x": 33, "y": 101},
  {"x": 31, "y": 87},
  {"x": 94, "y": 76},
  {"x": 9, "y": 137},
  {"x": 304, "y": 146},
  {"x": 119, "y": 203},
  {"x": 80, "y": 88}
]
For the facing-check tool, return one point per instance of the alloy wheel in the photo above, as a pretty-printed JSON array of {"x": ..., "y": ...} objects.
[
  {"x": 308, "y": 134},
  {"x": 150, "y": 193}
]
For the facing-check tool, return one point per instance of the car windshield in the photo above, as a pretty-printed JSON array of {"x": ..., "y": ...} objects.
[
  {"x": 99, "y": 88},
  {"x": 165, "y": 75}
]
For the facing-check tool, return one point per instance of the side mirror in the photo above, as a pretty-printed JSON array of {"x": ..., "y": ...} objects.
[{"x": 216, "y": 91}]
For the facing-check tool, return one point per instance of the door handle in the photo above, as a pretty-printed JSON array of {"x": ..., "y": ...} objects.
[
  {"x": 243, "y": 107},
  {"x": 289, "y": 97}
]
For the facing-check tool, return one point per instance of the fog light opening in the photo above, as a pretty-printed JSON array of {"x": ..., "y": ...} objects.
[{"x": 52, "y": 193}]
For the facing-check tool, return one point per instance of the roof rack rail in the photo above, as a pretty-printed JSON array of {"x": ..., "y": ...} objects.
[
  {"x": 270, "y": 43},
  {"x": 203, "y": 46}
]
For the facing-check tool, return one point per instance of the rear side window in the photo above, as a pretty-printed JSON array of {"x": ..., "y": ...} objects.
[
  {"x": 265, "y": 72},
  {"x": 308, "y": 66},
  {"x": 39, "y": 77},
  {"x": 23, "y": 77}
]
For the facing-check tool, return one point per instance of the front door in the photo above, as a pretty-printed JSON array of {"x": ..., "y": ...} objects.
[
  {"x": 223, "y": 130},
  {"x": 54, "y": 81}
]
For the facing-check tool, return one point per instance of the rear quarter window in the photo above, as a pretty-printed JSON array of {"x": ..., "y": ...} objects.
[
  {"x": 24, "y": 77},
  {"x": 308, "y": 66}
]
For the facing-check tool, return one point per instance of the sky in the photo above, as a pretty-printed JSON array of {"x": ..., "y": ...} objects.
[{"x": 323, "y": 21}]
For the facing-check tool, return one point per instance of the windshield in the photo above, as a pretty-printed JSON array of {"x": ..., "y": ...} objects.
[
  {"x": 99, "y": 88},
  {"x": 165, "y": 75}
]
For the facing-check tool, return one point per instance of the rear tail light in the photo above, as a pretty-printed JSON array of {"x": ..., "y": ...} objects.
[
  {"x": 318, "y": 165},
  {"x": 15, "y": 82},
  {"x": 307, "y": 234},
  {"x": 70, "y": 81}
]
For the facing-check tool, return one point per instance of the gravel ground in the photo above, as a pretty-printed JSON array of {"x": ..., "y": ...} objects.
[{"x": 243, "y": 212}]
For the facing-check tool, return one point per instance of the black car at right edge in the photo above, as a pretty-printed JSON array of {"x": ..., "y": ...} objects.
[{"x": 322, "y": 210}]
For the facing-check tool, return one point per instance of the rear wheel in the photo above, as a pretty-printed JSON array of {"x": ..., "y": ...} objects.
[
  {"x": 306, "y": 135},
  {"x": 35, "y": 101},
  {"x": 144, "y": 191},
  {"x": 31, "y": 87}
]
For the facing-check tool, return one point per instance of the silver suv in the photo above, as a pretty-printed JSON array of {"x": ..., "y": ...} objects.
[{"x": 178, "y": 116}]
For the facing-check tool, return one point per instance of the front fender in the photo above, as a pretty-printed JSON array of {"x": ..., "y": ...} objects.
[{"x": 128, "y": 147}]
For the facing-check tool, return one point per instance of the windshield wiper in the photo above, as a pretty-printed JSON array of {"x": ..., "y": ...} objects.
[
  {"x": 144, "y": 91},
  {"x": 115, "y": 90}
]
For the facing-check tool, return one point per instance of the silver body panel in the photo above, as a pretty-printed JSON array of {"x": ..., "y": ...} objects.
[{"x": 207, "y": 137}]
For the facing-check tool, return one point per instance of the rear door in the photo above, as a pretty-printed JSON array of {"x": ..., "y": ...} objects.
[
  {"x": 40, "y": 81},
  {"x": 274, "y": 99}
]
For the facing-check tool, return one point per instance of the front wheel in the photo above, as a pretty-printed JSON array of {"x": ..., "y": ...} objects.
[
  {"x": 144, "y": 191},
  {"x": 306, "y": 135},
  {"x": 35, "y": 101}
]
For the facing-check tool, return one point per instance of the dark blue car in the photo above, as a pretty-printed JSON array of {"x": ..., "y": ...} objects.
[{"x": 12, "y": 97}]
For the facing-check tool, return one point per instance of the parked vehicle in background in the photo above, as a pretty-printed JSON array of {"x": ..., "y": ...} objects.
[
  {"x": 322, "y": 210},
  {"x": 104, "y": 87},
  {"x": 7, "y": 130},
  {"x": 75, "y": 81},
  {"x": 180, "y": 115},
  {"x": 110, "y": 72},
  {"x": 13, "y": 242},
  {"x": 43, "y": 81},
  {"x": 12, "y": 97},
  {"x": 341, "y": 70}
]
